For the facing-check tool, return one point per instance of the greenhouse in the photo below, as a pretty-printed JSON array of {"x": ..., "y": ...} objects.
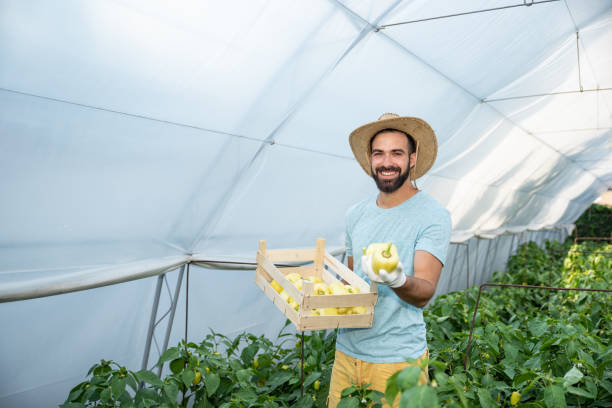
[{"x": 168, "y": 167}]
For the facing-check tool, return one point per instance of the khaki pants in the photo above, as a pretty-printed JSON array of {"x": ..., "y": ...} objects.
[{"x": 348, "y": 370}]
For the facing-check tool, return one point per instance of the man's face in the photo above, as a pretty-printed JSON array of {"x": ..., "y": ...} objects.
[{"x": 389, "y": 160}]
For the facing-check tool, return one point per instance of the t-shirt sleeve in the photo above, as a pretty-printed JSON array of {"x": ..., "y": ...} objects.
[{"x": 435, "y": 238}]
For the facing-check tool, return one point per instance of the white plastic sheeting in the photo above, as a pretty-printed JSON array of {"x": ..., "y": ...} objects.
[{"x": 135, "y": 133}]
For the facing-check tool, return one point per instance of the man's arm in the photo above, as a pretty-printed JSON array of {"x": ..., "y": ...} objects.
[
  {"x": 418, "y": 289},
  {"x": 350, "y": 262}
]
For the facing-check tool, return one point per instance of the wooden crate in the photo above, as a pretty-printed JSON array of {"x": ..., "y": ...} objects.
[{"x": 303, "y": 319}]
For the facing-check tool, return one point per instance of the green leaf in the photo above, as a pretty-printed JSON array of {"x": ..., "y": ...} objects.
[
  {"x": 408, "y": 377},
  {"x": 117, "y": 386},
  {"x": 131, "y": 381},
  {"x": 264, "y": 360},
  {"x": 76, "y": 392},
  {"x": 537, "y": 327},
  {"x": 235, "y": 364},
  {"x": 168, "y": 355},
  {"x": 458, "y": 389},
  {"x": 248, "y": 353},
  {"x": 607, "y": 385},
  {"x": 317, "y": 343},
  {"x": 484, "y": 396},
  {"x": 211, "y": 381},
  {"x": 96, "y": 380},
  {"x": 278, "y": 378},
  {"x": 533, "y": 363},
  {"x": 511, "y": 351},
  {"x": 305, "y": 401},
  {"x": 375, "y": 396},
  {"x": 572, "y": 376},
  {"x": 312, "y": 378},
  {"x": 177, "y": 365},
  {"x": 72, "y": 405},
  {"x": 105, "y": 395},
  {"x": 187, "y": 377},
  {"x": 421, "y": 396},
  {"x": 348, "y": 391},
  {"x": 392, "y": 388},
  {"x": 580, "y": 392},
  {"x": 350, "y": 402},
  {"x": 149, "y": 377},
  {"x": 244, "y": 375},
  {"x": 554, "y": 397},
  {"x": 146, "y": 394},
  {"x": 246, "y": 395},
  {"x": 171, "y": 391},
  {"x": 522, "y": 377}
]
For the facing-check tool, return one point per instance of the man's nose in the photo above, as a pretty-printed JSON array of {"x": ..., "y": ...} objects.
[{"x": 387, "y": 160}]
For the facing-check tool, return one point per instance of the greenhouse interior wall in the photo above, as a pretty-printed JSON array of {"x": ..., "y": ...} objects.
[{"x": 140, "y": 137}]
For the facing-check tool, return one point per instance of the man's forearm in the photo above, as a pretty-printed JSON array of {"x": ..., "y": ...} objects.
[{"x": 415, "y": 291}]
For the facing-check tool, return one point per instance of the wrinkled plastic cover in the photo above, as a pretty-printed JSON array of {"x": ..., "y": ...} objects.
[{"x": 132, "y": 132}]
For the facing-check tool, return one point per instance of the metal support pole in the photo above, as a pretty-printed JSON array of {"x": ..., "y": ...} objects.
[
  {"x": 476, "y": 259},
  {"x": 487, "y": 256},
  {"x": 186, "y": 305},
  {"x": 452, "y": 268},
  {"x": 512, "y": 245},
  {"x": 177, "y": 291},
  {"x": 302, "y": 366},
  {"x": 467, "y": 260},
  {"x": 145, "y": 357}
]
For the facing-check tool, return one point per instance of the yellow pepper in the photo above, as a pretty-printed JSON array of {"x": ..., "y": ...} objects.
[{"x": 384, "y": 256}]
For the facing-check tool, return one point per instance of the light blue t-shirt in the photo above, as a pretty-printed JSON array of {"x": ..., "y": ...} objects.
[{"x": 398, "y": 330}]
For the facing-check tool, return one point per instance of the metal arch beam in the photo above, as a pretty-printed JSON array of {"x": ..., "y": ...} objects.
[
  {"x": 89, "y": 279},
  {"x": 177, "y": 290},
  {"x": 145, "y": 357}
]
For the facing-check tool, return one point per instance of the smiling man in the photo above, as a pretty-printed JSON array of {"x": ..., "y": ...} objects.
[{"x": 394, "y": 151}]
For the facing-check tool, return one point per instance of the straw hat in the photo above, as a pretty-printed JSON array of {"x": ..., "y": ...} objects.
[{"x": 421, "y": 132}]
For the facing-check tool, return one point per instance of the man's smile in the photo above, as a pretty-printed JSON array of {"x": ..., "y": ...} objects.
[{"x": 388, "y": 174}]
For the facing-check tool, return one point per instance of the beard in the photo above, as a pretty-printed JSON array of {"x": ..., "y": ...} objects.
[{"x": 389, "y": 186}]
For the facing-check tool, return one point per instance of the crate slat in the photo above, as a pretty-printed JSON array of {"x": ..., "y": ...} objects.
[
  {"x": 290, "y": 255},
  {"x": 308, "y": 323},
  {"x": 353, "y": 299},
  {"x": 278, "y": 276},
  {"x": 278, "y": 301}
]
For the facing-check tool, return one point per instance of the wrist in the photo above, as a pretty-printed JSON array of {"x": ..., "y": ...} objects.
[{"x": 400, "y": 282}]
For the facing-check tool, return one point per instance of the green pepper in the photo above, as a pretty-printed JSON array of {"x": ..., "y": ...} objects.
[{"x": 384, "y": 256}]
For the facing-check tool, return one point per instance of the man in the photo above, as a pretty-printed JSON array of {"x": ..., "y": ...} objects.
[{"x": 395, "y": 151}]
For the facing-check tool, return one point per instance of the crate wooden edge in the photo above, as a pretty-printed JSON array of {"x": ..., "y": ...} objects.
[
  {"x": 277, "y": 300},
  {"x": 269, "y": 268},
  {"x": 348, "y": 300},
  {"x": 349, "y": 276},
  {"x": 290, "y": 255},
  {"x": 359, "y": 321}
]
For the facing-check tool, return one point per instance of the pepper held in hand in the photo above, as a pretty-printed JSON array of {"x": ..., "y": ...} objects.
[{"x": 384, "y": 256}]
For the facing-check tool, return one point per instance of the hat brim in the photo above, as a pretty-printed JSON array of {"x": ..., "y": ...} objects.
[{"x": 421, "y": 132}]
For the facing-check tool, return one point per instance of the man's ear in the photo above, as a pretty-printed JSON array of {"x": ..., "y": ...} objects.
[{"x": 413, "y": 159}]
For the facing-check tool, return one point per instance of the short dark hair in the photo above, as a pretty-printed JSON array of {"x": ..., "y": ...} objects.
[{"x": 411, "y": 143}]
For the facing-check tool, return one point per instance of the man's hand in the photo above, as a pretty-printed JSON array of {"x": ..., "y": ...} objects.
[{"x": 395, "y": 278}]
